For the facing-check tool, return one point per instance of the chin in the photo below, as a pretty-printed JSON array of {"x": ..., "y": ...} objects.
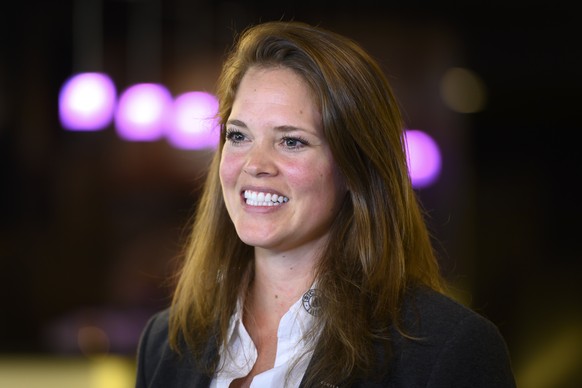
[{"x": 256, "y": 241}]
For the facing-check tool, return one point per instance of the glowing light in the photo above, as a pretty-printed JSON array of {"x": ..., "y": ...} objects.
[
  {"x": 111, "y": 372},
  {"x": 463, "y": 90},
  {"x": 93, "y": 340},
  {"x": 556, "y": 361},
  {"x": 424, "y": 158},
  {"x": 87, "y": 102},
  {"x": 194, "y": 125},
  {"x": 143, "y": 112}
]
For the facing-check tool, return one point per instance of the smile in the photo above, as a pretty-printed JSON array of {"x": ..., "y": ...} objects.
[{"x": 254, "y": 198}]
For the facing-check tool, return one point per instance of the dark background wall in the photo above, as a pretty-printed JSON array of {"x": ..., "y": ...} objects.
[{"x": 90, "y": 224}]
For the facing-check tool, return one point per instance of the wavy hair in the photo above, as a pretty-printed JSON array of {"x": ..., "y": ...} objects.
[{"x": 379, "y": 244}]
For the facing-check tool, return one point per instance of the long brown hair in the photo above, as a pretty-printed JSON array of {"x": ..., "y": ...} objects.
[{"x": 379, "y": 244}]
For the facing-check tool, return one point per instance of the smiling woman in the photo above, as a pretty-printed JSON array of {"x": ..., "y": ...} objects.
[
  {"x": 275, "y": 145},
  {"x": 309, "y": 262}
]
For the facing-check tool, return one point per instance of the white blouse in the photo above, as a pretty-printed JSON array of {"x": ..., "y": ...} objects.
[{"x": 238, "y": 360}]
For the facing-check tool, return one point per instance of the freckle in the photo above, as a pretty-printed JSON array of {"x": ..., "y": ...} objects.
[{"x": 276, "y": 296}]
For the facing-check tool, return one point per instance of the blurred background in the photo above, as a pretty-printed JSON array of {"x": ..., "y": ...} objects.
[{"x": 91, "y": 221}]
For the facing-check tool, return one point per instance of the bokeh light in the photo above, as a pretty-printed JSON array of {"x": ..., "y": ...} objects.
[
  {"x": 424, "y": 158},
  {"x": 463, "y": 91},
  {"x": 111, "y": 372},
  {"x": 93, "y": 340},
  {"x": 87, "y": 102},
  {"x": 194, "y": 125},
  {"x": 143, "y": 112}
]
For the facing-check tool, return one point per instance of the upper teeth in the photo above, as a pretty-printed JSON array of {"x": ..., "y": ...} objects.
[{"x": 255, "y": 198}]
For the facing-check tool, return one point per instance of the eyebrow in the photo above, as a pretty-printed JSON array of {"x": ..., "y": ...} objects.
[
  {"x": 279, "y": 128},
  {"x": 238, "y": 123}
]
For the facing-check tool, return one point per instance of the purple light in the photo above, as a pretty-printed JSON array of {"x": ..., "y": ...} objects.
[
  {"x": 143, "y": 112},
  {"x": 194, "y": 125},
  {"x": 423, "y": 156},
  {"x": 86, "y": 102}
]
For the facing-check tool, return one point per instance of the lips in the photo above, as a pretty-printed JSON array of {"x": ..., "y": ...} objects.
[{"x": 259, "y": 198}]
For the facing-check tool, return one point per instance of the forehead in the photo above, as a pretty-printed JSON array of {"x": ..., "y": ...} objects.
[
  {"x": 274, "y": 89},
  {"x": 273, "y": 78}
]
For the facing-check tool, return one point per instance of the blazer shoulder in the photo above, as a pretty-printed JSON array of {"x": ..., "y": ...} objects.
[
  {"x": 428, "y": 310},
  {"x": 153, "y": 348},
  {"x": 159, "y": 366},
  {"x": 452, "y": 343},
  {"x": 155, "y": 333}
]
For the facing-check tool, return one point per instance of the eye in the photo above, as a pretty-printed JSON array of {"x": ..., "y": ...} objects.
[
  {"x": 294, "y": 142},
  {"x": 234, "y": 136}
]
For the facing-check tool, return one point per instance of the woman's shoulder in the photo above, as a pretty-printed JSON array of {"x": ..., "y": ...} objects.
[
  {"x": 450, "y": 343},
  {"x": 434, "y": 317},
  {"x": 154, "y": 338},
  {"x": 426, "y": 309},
  {"x": 153, "y": 343},
  {"x": 159, "y": 365},
  {"x": 157, "y": 325}
]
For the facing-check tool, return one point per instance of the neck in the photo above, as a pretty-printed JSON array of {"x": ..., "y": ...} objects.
[{"x": 279, "y": 281}]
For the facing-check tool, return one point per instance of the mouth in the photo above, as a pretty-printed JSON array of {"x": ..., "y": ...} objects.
[{"x": 259, "y": 198}]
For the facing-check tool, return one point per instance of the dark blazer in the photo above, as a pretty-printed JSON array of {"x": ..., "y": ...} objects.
[{"x": 457, "y": 348}]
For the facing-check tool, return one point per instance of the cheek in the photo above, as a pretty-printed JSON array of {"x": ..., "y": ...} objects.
[
  {"x": 317, "y": 178},
  {"x": 302, "y": 176},
  {"x": 228, "y": 169}
]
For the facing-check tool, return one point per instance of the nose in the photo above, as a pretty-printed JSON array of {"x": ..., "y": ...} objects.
[{"x": 260, "y": 161}]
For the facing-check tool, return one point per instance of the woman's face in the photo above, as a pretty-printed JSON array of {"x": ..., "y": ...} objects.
[{"x": 280, "y": 183}]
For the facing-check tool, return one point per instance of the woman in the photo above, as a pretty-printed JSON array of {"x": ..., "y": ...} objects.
[{"x": 309, "y": 262}]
